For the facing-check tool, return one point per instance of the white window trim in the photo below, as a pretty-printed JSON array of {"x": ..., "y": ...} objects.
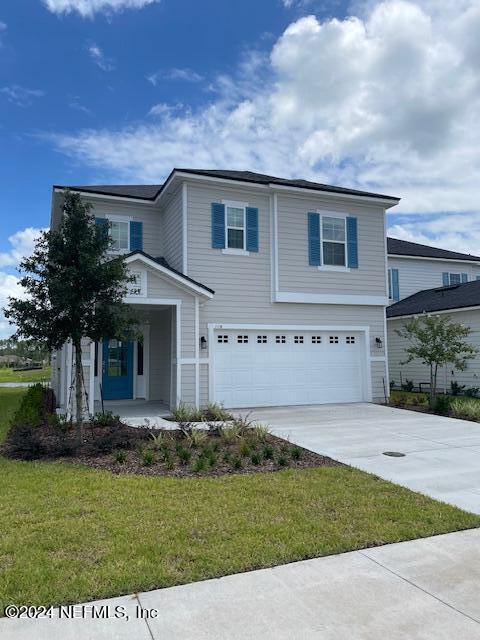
[
  {"x": 230, "y": 250},
  {"x": 453, "y": 273},
  {"x": 118, "y": 218},
  {"x": 331, "y": 267}
]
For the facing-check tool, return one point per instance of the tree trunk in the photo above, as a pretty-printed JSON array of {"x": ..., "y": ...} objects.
[
  {"x": 78, "y": 391},
  {"x": 433, "y": 390}
]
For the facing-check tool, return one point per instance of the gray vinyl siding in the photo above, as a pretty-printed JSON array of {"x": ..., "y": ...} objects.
[
  {"x": 160, "y": 356},
  {"x": 173, "y": 231},
  {"x": 242, "y": 284},
  {"x": 204, "y": 372},
  {"x": 188, "y": 383},
  {"x": 419, "y": 372},
  {"x": 295, "y": 273},
  {"x": 149, "y": 215},
  {"x": 418, "y": 274}
]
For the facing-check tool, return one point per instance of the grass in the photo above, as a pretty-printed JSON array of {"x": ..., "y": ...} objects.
[
  {"x": 9, "y": 401},
  {"x": 34, "y": 375},
  {"x": 70, "y": 534}
]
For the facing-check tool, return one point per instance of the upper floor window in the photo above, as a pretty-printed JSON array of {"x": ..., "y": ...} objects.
[
  {"x": 454, "y": 278},
  {"x": 119, "y": 233},
  {"x": 235, "y": 227},
  {"x": 333, "y": 241},
  {"x": 393, "y": 285}
]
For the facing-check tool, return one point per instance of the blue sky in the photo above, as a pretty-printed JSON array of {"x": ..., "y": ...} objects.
[{"x": 381, "y": 95}]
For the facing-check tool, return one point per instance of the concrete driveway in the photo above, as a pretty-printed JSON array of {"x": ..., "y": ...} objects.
[{"x": 442, "y": 455}]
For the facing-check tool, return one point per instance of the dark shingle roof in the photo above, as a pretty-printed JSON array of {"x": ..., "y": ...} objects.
[
  {"x": 405, "y": 248},
  {"x": 261, "y": 178},
  {"x": 139, "y": 191},
  {"x": 429, "y": 300},
  {"x": 161, "y": 260},
  {"x": 151, "y": 191}
]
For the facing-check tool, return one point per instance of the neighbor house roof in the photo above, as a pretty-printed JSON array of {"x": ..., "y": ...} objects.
[
  {"x": 412, "y": 249},
  {"x": 457, "y": 296},
  {"x": 151, "y": 191}
]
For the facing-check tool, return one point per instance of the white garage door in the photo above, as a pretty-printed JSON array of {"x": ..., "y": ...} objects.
[{"x": 256, "y": 368}]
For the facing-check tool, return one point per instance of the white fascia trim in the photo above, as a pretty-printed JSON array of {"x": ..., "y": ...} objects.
[
  {"x": 197, "y": 352},
  {"x": 447, "y": 260},
  {"x": 163, "y": 301},
  {"x": 275, "y": 244},
  {"x": 378, "y": 359},
  {"x": 106, "y": 197},
  {"x": 288, "y": 327},
  {"x": 435, "y": 313},
  {"x": 170, "y": 274},
  {"x": 184, "y": 228},
  {"x": 326, "y": 298}
]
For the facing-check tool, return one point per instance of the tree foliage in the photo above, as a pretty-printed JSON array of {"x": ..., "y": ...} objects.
[
  {"x": 73, "y": 290},
  {"x": 437, "y": 341}
]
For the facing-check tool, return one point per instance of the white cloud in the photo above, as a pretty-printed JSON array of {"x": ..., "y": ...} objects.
[
  {"x": 9, "y": 286},
  {"x": 21, "y": 96},
  {"x": 387, "y": 101},
  {"x": 3, "y": 28},
  {"x": 87, "y": 8},
  {"x": 97, "y": 55},
  {"x": 22, "y": 244},
  {"x": 188, "y": 75},
  {"x": 74, "y": 103}
]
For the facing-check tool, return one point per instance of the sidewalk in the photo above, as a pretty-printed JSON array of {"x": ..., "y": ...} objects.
[{"x": 417, "y": 590}]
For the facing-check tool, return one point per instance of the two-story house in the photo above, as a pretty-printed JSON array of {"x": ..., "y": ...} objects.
[
  {"x": 423, "y": 279},
  {"x": 251, "y": 291}
]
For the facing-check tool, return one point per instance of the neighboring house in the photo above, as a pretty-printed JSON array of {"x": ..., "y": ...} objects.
[
  {"x": 462, "y": 303},
  {"x": 413, "y": 267},
  {"x": 252, "y": 290}
]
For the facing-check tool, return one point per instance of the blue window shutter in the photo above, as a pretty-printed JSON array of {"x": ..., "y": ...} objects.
[
  {"x": 252, "y": 228},
  {"x": 314, "y": 239},
  {"x": 218, "y": 225},
  {"x": 464, "y": 277},
  {"x": 395, "y": 285},
  {"x": 102, "y": 223},
  {"x": 352, "y": 243},
  {"x": 445, "y": 279},
  {"x": 136, "y": 236}
]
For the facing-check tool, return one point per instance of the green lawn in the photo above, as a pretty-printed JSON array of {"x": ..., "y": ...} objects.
[
  {"x": 70, "y": 534},
  {"x": 35, "y": 375}
]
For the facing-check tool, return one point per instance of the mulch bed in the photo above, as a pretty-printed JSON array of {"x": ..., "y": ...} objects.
[{"x": 101, "y": 446}]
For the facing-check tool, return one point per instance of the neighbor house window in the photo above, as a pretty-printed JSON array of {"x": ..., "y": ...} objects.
[
  {"x": 455, "y": 278},
  {"x": 390, "y": 288},
  {"x": 235, "y": 227},
  {"x": 333, "y": 241},
  {"x": 119, "y": 234}
]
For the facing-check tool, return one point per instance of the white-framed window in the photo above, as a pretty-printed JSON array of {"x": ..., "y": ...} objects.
[
  {"x": 350, "y": 339},
  {"x": 334, "y": 241},
  {"x": 390, "y": 288},
  {"x": 119, "y": 232},
  {"x": 316, "y": 339},
  {"x": 235, "y": 233},
  {"x": 333, "y": 339},
  {"x": 222, "y": 339},
  {"x": 280, "y": 339},
  {"x": 455, "y": 278}
]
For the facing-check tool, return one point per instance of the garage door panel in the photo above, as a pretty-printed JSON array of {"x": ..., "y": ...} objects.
[{"x": 291, "y": 367}]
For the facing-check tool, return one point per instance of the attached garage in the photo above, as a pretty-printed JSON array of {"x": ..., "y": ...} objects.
[{"x": 258, "y": 367}]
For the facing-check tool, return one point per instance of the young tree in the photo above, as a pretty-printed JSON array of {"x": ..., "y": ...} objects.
[
  {"x": 436, "y": 341},
  {"x": 73, "y": 290}
]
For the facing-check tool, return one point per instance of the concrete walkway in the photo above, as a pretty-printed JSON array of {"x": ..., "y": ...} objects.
[
  {"x": 442, "y": 455},
  {"x": 419, "y": 590}
]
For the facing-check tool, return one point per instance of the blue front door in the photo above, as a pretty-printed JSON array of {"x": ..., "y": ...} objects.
[{"x": 117, "y": 378}]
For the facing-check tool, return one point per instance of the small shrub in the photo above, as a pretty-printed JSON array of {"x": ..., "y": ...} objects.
[
  {"x": 200, "y": 464},
  {"x": 229, "y": 434},
  {"x": 243, "y": 424},
  {"x": 184, "y": 455},
  {"x": 185, "y": 413},
  {"x": 59, "y": 423},
  {"x": 120, "y": 456},
  {"x": 211, "y": 460},
  {"x": 260, "y": 432},
  {"x": 169, "y": 463},
  {"x": 244, "y": 448},
  {"x": 442, "y": 405},
  {"x": 456, "y": 388},
  {"x": 31, "y": 411},
  {"x": 162, "y": 440},
  {"x": 196, "y": 437},
  {"x": 399, "y": 399},
  {"x": 392, "y": 384},
  {"x": 148, "y": 457},
  {"x": 282, "y": 461},
  {"x": 296, "y": 453},
  {"x": 267, "y": 452},
  {"x": 465, "y": 408},
  {"x": 106, "y": 419},
  {"x": 227, "y": 456},
  {"x": 237, "y": 463},
  {"x": 216, "y": 413},
  {"x": 23, "y": 442},
  {"x": 255, "y": 458},
  {"x": 472, "y": 392}
]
